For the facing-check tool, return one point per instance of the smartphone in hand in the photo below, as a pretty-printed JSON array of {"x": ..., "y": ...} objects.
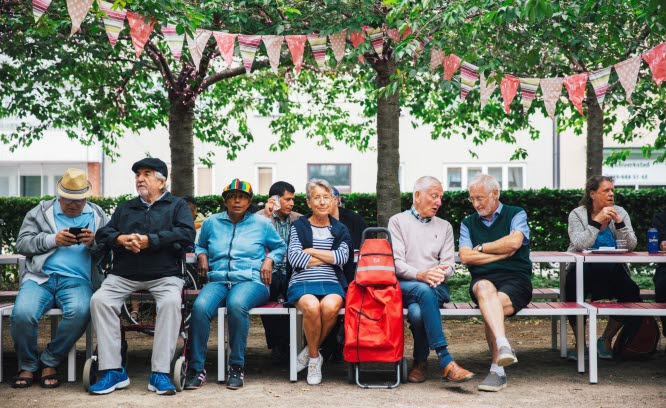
[{"x": 76, "y": 231}]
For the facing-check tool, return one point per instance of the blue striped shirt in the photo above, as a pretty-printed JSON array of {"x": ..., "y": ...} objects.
[{"x": 321, "y": 239}]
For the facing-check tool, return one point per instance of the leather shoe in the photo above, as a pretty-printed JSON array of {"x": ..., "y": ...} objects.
[
  {"x": 454, "y": 373},
  {"x": 418, "y": 373}
]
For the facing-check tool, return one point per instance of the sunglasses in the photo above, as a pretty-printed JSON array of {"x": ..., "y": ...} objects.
[{"x": 72, "y": 201}]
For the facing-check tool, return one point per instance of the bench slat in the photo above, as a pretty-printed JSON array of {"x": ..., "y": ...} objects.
[
  {"x": 566, "y": 305},
  {"x": 463, "y": 305},
  {"x": 541, "y": 305},
  {"x": 626, "y": 305}
]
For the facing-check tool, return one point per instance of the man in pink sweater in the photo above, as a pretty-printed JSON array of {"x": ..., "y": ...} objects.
[{"x": 423, "y": 251}]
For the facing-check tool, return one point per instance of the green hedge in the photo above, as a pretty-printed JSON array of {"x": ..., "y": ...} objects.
[{"x": 547, "y": 211}]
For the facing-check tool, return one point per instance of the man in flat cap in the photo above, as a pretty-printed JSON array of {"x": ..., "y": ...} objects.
[
  {"x": 144, "y": 233},
  {"x": 58, "y": 239}
]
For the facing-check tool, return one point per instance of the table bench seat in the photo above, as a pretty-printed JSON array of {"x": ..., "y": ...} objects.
[{"x": 629, "y": 309}]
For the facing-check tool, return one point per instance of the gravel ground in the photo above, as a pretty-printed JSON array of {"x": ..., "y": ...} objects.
[{"x": 540, "y": 379}]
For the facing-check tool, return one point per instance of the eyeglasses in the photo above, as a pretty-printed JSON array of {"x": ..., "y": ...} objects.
[
  {"x": 71, "y": 201},
  {"x": 320, "y": 199},
  {"x": 237, "y": 196},
  {"x": 478, "y": 199}
]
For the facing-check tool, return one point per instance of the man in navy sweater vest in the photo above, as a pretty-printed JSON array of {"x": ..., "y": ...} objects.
[{"x": 494, "y": 244}]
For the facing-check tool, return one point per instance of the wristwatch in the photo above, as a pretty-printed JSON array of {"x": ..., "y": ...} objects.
[{"x": 480, "y": 248}]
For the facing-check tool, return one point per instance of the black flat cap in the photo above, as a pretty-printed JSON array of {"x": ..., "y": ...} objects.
[{"x": 152, "y": 163}]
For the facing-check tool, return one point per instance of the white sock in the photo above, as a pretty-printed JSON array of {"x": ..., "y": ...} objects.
[
  {"x": 314, "y": 360},
  {"x": 499, "y": 370},
  {"x": 502, "y": 341}
]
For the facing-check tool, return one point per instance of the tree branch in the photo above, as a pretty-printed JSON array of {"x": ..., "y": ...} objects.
[
  {"x": 212, "y": 51},
  {"x": 218, "y": 76},
  {"x": 158, "y": 58},
  {"x": 230, "y": 73}
]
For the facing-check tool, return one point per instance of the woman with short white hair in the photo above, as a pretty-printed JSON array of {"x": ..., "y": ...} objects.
[{"x": 319, "y": 247}]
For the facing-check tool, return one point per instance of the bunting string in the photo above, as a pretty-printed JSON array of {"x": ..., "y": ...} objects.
[{"x": 141, "y": 28}]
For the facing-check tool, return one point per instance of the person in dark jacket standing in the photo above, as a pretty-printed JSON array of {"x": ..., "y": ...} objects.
[{"x": 144, "y": 233}]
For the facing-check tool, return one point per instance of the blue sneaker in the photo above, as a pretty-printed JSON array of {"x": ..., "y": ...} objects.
[
  {"x": 603, "y": 351},
  {"x": 161, "y": 384},
  {"x": 110, "y": 381},
  {"x": 572, "y": 355}
]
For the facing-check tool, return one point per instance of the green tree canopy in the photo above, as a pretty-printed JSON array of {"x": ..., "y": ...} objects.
[
  {"x": 97, "y": 92},
  {"x": 541, "y": 39}
]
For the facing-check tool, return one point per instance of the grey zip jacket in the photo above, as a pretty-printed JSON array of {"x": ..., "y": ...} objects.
[
  {"x": 36, "y": 240},
  {"x": 582, "y": 235}
]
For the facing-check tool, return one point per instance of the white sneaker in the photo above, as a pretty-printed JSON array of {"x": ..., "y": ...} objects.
[
  {"x": 314, "y": 371},
  {"x": 303, "y": 359}
]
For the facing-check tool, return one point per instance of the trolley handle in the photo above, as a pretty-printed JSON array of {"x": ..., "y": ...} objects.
[{"x": 377, "y": 230}]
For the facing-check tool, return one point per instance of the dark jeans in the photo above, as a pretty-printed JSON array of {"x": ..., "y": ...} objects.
[
  {"x": 72, "y": 295},
  {"x": 602, "y": 281},
  {"x": 425, "y": 322},
  {"x": 277, "y": 327}
]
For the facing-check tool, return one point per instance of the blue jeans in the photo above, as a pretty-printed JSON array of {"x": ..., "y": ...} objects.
[
  {"x": 238, "y": 299},
  {"x": 72, "y": 295},
  {"x": 425, "y": 322}
]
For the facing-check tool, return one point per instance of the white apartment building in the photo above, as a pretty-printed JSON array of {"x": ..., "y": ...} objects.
[{"x": 34, "y": 171}]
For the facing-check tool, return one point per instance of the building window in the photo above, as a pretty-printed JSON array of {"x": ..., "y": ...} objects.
[
  {"x": 31, "y": 186},
  {"x": 515, "y": 178},
  {"x": 4, "y": 186},
  {"x": 510, "y": 177},
  {"x": 454, "y": 178},
  {"x": 204, "y": 181},
  {"x": 497, "y": 173},
  {"x": 32, "y": 179},
  {"x": 265, "y": 176},
  {"x": 339, "y": 175},
  {"x": 473, "y": 171}
]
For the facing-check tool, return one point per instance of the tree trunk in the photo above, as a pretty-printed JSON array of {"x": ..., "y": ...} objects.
[
  {"x": 181, "y": 144},
  {"x": 595, "y": 135},
  {"x": 388, "y": 145}
]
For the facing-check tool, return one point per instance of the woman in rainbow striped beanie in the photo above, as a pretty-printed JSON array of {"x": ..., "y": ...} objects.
[{"x": 237, "y": 250}]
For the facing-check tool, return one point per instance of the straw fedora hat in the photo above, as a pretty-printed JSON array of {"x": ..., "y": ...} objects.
[{"x": 74, "y": 185}]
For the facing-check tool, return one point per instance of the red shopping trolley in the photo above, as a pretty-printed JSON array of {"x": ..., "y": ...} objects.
[{"x": 374, "y": 328}]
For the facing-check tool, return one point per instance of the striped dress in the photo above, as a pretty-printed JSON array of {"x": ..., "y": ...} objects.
[{"x": 321, "y": 239}]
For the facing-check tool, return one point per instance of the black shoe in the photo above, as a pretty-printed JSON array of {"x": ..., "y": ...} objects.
[
  {"x": 195, "y": 380},
  {"x": 336, "y": 357},
  {"x": 280, "y": 353},
  {"x": 235, "y": 377}
]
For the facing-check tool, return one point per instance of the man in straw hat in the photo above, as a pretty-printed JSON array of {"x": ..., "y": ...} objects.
[
  {"x": 143, "y": 233},
  {"x": 58, "y": 239}
]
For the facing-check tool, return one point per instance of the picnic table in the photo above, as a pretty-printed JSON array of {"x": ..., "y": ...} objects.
[{"x": 613, "y": 309}]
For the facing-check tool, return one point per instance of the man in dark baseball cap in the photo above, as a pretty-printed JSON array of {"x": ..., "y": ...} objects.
[{"x": 151, "y": 163}]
